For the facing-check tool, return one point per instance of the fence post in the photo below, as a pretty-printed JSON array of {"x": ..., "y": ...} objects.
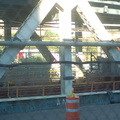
[
  {"x": 113, "y": 85},
  {"x": 43, "y": 91},
  {"x": 17, "y": 92}
]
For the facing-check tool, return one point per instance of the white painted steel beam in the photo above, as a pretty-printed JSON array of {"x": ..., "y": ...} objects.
[
  {"x": 25, "y": 32},
  {"x": 42, "y": 49},
  {"x": 108, "y": 11},
  {"x": 93, "y": 23},
  {"x": 65, "y": 51},
  {"x": 105, "y": 2}
]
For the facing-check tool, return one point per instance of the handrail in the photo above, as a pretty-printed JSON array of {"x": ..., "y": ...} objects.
[{"x": 43, "y": 87}]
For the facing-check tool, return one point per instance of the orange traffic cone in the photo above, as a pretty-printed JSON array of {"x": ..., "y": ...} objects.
[{"x": 72, "y": 107}]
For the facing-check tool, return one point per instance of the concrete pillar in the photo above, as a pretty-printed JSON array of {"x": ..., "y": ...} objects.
[
  {"x": 7, "y": 31},
  {"x": 65, "y": 33}
]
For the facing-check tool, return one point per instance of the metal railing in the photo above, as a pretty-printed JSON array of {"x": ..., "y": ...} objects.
[{"x": 54, "y": 89}]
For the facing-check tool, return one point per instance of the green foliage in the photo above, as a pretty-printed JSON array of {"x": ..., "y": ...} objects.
[
  {"x": 1, "y": 47},
  {"x": 50, "y": 36},
  {"x": 89, "y": 48},
  {"x": 50, "y": 33},
  {"x": 32, "y": 59}
]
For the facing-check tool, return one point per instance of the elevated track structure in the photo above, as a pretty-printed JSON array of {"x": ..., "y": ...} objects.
[{"x": 28, "y": 15}]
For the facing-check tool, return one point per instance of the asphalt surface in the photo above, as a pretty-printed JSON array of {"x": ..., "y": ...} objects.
[{"x": 96, "y": 112}]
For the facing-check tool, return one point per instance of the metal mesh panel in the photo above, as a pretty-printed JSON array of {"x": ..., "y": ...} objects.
[{"x": 41, "y": 80}]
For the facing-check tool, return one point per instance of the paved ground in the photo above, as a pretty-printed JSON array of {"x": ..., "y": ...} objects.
[{"x": 96, "y": 112}]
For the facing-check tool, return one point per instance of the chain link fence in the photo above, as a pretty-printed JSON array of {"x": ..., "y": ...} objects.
[{"x": 42, "y": 80}]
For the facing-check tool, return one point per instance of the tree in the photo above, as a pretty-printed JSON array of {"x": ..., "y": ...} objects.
[{"x": 50, "y": 36}]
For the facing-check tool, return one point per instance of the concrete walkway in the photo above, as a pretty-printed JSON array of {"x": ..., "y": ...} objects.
[{"x": 96, "y": 112}]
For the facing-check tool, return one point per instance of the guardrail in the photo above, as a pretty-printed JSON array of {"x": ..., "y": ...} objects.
[{"x": 54, "y": 89}]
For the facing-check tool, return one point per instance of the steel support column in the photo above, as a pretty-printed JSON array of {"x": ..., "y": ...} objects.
[{"x": 65, "y": 33}]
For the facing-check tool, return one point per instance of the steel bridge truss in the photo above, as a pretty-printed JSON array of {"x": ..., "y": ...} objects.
[{"x": 37, "y": 16}]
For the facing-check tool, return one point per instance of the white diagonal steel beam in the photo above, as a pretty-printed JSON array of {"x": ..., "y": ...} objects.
[
  {"x": 25, "y": 32},
  {"x": 43, "y": 49},
  {"x": 88, "y": 15}
]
